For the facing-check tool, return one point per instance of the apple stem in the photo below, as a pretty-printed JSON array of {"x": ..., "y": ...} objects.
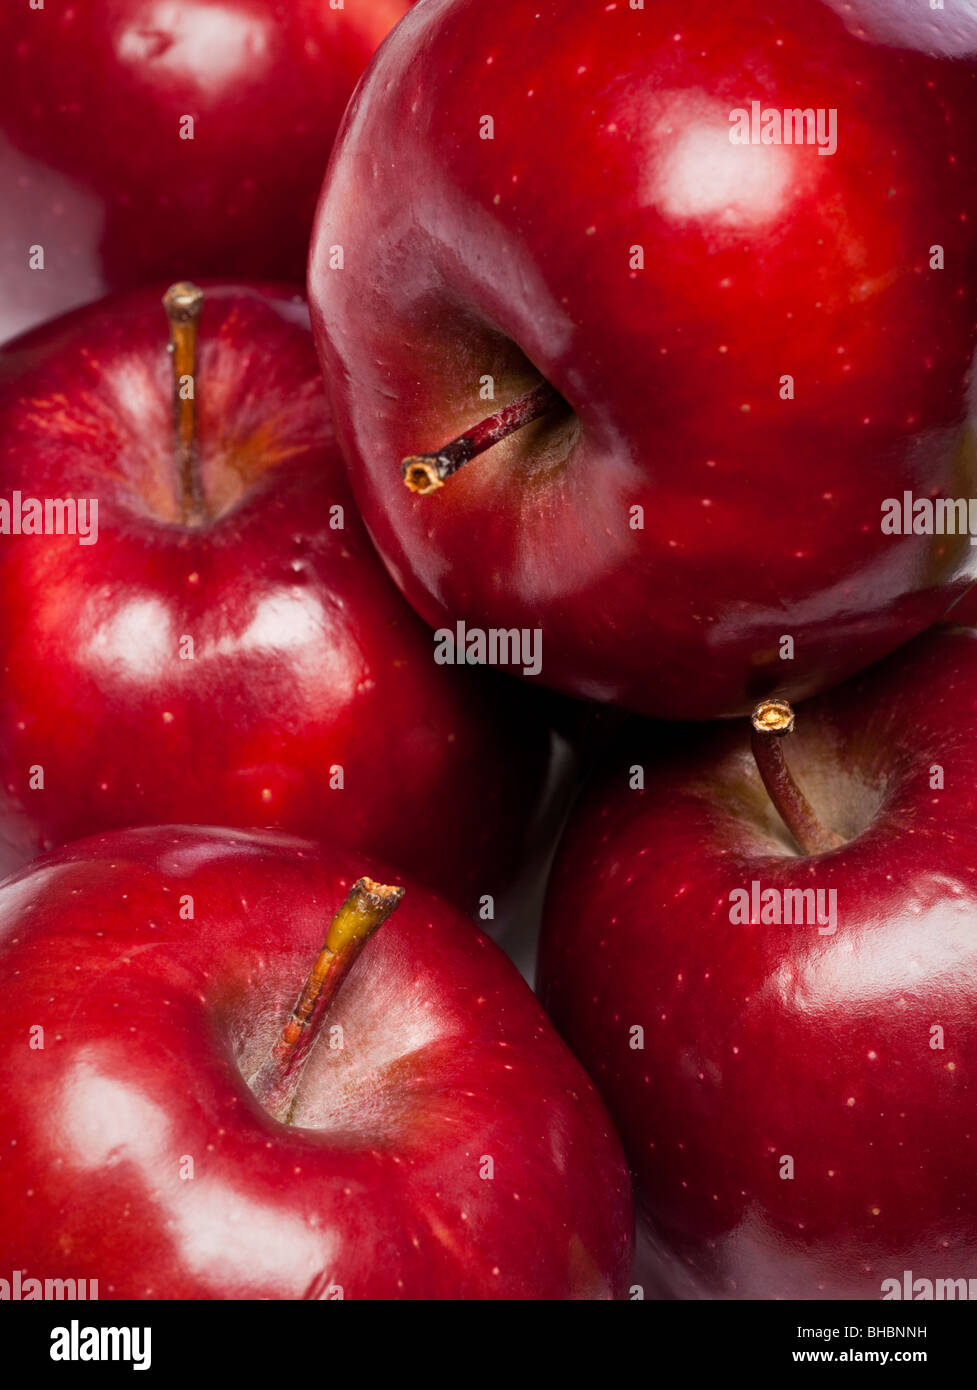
[
  {"x": 183, "y": 303},
  {"x": 424, "y": 473},
  {"x": 367, "y": 907},
  {"x": 772, "y": 721}
]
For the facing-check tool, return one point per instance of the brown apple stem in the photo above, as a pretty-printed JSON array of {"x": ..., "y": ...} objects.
[
  {"x": 772, "y": 721},
  {"x": 424, "y": 473},
  {"x": 367, "y": 907},
  {"x": 183, "y": 303}
]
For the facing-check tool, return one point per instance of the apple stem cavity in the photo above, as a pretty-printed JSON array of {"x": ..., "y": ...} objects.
[
  {"x": 772, "y": 721},
  {"x": 425, "y": 473},
  {"x": 367, "y": 907},
  {"x": 183, "y": 303}
]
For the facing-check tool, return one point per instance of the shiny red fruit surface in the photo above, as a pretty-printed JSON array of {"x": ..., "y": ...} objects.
[
  {"x": 256, "y": 668},
  {"x": 443, "y": 1143},
  {"x": 102, "y": 172},
  {"x": 794, "y": 1092},
  {"x": 758, "y": 344}
]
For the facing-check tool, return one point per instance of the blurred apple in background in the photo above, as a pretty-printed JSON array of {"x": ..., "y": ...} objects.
[
  {"x": 229, "y": 650},
  {"x": 96, "y": 163}
]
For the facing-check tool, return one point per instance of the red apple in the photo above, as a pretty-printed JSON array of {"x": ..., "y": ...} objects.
[
  {"x": 748, "y": 347},
  {"x": 312, "y": 700},
  {"x": 791, "y": 1076},
  {"x": 434, "y": 1140},
  {"x": 94, "y": 160}
]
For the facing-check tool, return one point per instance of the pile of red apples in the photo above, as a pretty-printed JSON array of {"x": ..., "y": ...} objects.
[{"x": 446, "y": 450}]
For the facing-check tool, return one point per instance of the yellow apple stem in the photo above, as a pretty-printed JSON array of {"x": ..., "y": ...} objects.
[
  {"x": 183, "y": 303},
  {"x": 367, "y": 907}
]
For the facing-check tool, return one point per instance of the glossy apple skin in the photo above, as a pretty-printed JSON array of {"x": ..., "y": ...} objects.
[
  {"x": 151, "y": 1023},
  {"x": 512, "y": 257},
  {"x": 765, "y": 1041},
  {"x": 964, "y": 613},
  {"x": 92, "y": 163},
  {"x": 305, "y": 657}
]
